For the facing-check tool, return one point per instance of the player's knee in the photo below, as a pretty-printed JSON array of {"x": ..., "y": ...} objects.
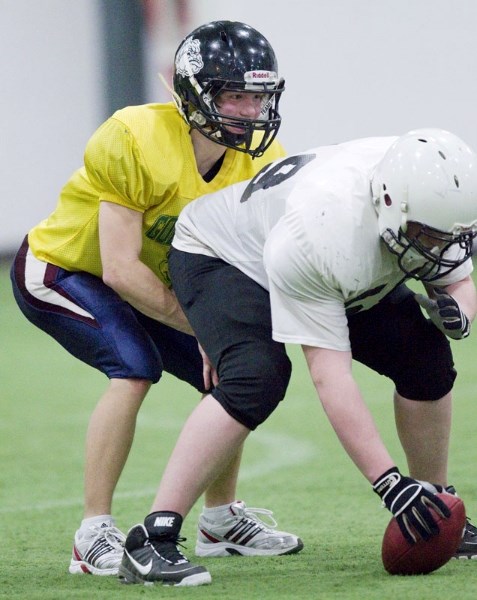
[
  {"x": 271, "y": 376},
  {"x": 251, "y": 396},
  {"x": 132, "y": 391},
  {"x": 432, "y": 387},
  {"x": 430, "y": 375},
  {"x": 144, "y": 364}
]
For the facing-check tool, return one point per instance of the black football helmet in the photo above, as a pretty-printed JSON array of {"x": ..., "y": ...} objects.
[{"x": 228, "y": 56}]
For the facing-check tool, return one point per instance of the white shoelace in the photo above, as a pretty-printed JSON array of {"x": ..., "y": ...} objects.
[
  {"x": 113, "y": 536},
  {"x": 253, "y": 514}
]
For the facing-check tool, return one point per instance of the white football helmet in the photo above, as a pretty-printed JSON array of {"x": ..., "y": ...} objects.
[{"x": 427, "y": 177}]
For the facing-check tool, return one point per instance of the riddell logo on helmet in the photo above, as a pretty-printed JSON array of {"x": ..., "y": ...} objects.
[{"x": 251, "y": 76}]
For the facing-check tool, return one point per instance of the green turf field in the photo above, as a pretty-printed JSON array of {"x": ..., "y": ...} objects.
[{"x": 293, "y": 465}]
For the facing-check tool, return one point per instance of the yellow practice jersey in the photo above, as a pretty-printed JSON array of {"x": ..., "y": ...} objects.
[{"x": 142, "y": 158}]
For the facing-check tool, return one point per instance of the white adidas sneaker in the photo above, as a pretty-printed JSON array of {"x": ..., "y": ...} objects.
[
  {"x": 99, "y": 551},
  {"x": 243, "y": 532}
]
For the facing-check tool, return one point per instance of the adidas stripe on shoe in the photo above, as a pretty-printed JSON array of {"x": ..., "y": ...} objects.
[{"x": 244, "y": 533}]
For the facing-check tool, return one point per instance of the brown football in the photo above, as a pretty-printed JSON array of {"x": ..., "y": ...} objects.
[{"x": 402, "y": 558}]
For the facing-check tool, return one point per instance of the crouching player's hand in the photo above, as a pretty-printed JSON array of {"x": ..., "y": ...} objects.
[
  {"x": 409, "y": 501},
  {"x": 209, "y": 374},
  {"x": 445, "y": 313}
]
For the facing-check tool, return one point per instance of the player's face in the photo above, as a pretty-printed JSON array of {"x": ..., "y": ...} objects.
[
  {"x": 244, "y": 105},
  {"x": 425, "y": 236}
]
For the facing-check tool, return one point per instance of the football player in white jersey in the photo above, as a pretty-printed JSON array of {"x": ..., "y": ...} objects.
[{"x": 328, "y": 238}]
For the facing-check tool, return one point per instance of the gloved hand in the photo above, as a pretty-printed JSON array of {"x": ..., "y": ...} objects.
[
  {"x": 409, "y": 501},
  {"x": 445, "y": 313}
]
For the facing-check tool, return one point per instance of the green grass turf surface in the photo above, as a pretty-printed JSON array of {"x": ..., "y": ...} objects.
[{"x": 293, "y": 465}]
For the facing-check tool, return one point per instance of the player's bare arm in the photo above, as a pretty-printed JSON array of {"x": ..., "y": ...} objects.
[
  {"x": 349, "y": 416},
  {"x": 120, "y": 233}
]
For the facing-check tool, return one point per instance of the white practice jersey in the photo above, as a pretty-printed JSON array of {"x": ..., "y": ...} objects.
[{"x": 306, "y": 229}]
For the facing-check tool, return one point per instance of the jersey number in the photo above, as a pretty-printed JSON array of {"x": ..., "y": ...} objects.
[{"x": 275, "y": 173}]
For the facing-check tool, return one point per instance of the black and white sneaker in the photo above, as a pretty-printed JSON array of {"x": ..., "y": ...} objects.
[
  {"x": 151, "y": 555},
  {"x": 468, "y": 546}
]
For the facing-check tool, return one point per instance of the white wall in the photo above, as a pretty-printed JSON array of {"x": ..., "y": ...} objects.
[
  {"x": 50, "y": 103},
  {"x": 353, "y": 68}
]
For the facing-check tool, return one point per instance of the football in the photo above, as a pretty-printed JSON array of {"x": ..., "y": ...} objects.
[{"x": 402, "y": 558}]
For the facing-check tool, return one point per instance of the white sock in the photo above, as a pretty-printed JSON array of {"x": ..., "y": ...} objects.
[
  {"x": 98, "y": 520},
  {"x": 217, "y": 513}
]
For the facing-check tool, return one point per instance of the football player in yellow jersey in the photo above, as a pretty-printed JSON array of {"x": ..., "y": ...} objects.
[{"x": 94, "y": 273}]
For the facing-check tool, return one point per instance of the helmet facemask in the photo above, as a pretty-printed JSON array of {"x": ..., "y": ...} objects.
[
  {"x": 438, "y": 252},
  {"x": 214, "y": 125}
]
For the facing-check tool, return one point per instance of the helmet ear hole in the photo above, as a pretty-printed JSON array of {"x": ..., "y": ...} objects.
[{"x": 387, "y": 200}]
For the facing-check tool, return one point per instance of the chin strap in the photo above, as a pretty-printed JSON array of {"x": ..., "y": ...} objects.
[{"x": 175, "y": 97}]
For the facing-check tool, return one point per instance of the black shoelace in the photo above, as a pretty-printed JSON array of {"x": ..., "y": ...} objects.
[{"x": 167, "y": 547}]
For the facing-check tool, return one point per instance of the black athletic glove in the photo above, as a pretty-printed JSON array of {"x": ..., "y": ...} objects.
[
  {"x": 409, "y": 501},
  {"x": 445, "y": 313}
]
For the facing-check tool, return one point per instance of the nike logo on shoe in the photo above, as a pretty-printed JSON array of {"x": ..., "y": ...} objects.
[
  {"x": 164, "y": 522},
  {"x": 143, "y": 569}
]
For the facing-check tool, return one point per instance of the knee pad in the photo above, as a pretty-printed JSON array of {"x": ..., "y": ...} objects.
[
  {"x": 424, "y": 389},
  {"x": 250, "y": 390},
  {"x": 431, "y": 375}
]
